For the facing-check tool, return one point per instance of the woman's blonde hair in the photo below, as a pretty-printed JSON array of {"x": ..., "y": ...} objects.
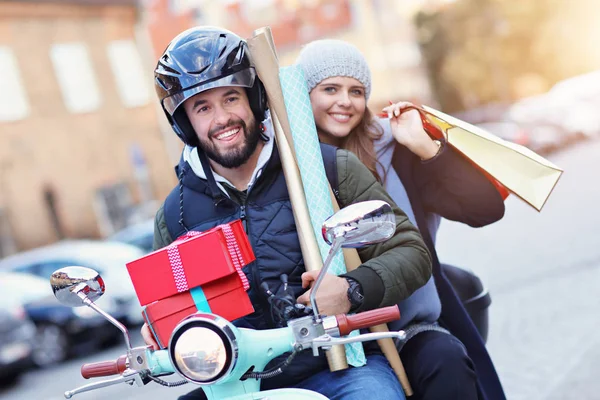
[{"x": 361, "y": 140}]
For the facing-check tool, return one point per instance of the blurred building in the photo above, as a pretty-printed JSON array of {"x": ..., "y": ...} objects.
[
  {"x": 381, "y": 29},
  {"x": 80, "y": 144}
]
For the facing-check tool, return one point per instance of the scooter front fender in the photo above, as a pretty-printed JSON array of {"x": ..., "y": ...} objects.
[{"x": 281, "y": 394}]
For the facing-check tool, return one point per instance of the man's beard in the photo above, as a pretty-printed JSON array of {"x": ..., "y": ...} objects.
[{"x": 236, "y": 157}]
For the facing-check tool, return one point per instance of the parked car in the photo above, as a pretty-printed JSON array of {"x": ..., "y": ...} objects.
[
  {"x": 108, "y": 258},
  {"x": 140, "y": 235},
  {"x": 583, "y": 119},
  {"x": 16, "y": 338},
  {"x": 579, "y": 87},
  {"x": 575, "y": 117},
  {"x": 546, "y": 138},
  {"x": 58, "y": 331}
]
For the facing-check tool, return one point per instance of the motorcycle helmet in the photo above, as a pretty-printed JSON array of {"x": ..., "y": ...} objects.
[{"x": 200, "y": 59}]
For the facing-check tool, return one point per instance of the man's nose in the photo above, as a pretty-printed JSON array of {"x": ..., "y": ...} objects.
[{"x": 221, "y": 116}]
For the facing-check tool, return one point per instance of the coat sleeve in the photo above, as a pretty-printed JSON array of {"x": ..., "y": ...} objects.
[
  {"x": 162, "y": 237},
  {"x": 454, "y": 189},
  {"x": 392, "y": 270}
]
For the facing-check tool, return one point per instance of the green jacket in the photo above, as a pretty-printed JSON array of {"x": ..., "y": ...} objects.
[{"x": 392, "y": 270}]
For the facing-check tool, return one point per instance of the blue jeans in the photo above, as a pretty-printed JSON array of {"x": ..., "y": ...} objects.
[{"x": 374, "y": 380}]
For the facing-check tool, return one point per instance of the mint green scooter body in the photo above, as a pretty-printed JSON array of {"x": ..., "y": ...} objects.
[{"x": 256, "y": 348}]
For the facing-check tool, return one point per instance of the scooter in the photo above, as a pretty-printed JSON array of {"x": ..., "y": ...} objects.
[{"x": 226, "y": 361}]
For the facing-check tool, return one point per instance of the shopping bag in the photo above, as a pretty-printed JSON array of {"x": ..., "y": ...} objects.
[{"x": 508, "y": 165}]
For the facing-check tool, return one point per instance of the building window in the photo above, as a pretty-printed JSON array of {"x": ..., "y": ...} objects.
[
  {"x": 13, "y": 100},
  {"x": 131, "y": 78},
  {"x": 73, "y": 68}
]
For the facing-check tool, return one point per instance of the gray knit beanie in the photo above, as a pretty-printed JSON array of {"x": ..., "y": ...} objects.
[{"x": 322, "y": 59}]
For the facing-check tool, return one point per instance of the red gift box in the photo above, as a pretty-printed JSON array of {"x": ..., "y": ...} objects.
[
  {"x": 225, "y": 297},
  {"x": 192, "y": 260}
]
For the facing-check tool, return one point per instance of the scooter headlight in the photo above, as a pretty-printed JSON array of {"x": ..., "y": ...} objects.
[{"x": 203, "y": 349}]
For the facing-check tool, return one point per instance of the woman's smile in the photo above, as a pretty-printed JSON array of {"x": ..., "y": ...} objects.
[{"x": 341, "y": 118}]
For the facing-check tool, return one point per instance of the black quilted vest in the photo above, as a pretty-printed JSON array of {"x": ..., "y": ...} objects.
[{"x": 267, "y": 215}]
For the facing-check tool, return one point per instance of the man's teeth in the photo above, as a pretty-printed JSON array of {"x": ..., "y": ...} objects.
[
  {"x": 341, "y": 117},
  {"x": 227, "y": 134}
]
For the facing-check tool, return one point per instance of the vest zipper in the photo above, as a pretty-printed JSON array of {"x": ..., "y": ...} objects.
[
  {"x": 243, "y": 217},
  {"x": 243, "y": 209}
]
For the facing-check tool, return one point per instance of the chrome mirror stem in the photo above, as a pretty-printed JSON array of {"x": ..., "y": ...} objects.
[
  {"x": 110, "y": 318},
  {"x": 335, "y": 246}
]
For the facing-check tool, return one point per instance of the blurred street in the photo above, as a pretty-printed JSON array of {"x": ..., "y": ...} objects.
[{"x": 543, "y": 272}]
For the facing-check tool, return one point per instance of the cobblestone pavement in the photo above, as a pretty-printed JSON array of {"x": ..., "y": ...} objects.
[{"x": 543, "y": 272}]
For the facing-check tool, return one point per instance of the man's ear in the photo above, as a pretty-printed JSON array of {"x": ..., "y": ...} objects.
[{"x": 183, "y": 127}]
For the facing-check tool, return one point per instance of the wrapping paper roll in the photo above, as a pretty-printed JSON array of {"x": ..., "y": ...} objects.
[
  {"x": 312, "y": 172},
  {"x": 264, "y": 56},
  {"x": 262, "y": 52}
]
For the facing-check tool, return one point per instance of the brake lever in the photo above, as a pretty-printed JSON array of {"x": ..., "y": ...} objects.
[
  {"x": 326, "y": 341},
  {"x": 129, "y": 376}
]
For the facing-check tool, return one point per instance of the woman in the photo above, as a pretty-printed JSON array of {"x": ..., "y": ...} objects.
[{"x": 428, "y": 181}]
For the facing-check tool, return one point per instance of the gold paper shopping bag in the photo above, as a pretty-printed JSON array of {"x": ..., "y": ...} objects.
[{"x": 523, "y": 172}]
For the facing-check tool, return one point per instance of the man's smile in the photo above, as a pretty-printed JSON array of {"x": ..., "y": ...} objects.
[{"x": 228, "y": 135}]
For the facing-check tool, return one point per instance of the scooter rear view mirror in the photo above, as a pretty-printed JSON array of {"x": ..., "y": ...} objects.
[
  {"x": 361, "y": 224},
  {"x": 71, "y": 284},
  {"x": 81, "y": 286},
  {"x": 356, "y": 225}
]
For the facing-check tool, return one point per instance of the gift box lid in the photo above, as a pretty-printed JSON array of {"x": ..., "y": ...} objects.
[{"x": 184, "y": 264}]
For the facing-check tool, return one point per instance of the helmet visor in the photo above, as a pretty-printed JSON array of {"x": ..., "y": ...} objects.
[{"x": 243, "y": 78}]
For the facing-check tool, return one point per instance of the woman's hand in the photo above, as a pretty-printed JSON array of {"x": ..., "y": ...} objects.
[
  {"x": 332, "y": 295},
  {"x": 407, "y": 129}
]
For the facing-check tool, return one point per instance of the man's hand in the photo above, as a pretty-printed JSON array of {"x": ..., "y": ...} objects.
[
  {"x": 148, "y": 338},
  {"x": 332, "y": 294}
]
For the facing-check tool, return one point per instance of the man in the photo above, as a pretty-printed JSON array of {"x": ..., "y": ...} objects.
[{"x": 230, "y": 169}]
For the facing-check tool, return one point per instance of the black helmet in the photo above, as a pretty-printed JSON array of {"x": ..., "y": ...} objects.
[{"x": 199, "y": 59}]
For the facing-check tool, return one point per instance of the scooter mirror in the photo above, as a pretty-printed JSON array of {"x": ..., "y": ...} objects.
[
  {"x": 71, "y": 285},
  {"x": 361, "y": 224}
]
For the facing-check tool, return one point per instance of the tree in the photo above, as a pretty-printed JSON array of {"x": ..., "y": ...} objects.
[{"x": 481, "y": 51}]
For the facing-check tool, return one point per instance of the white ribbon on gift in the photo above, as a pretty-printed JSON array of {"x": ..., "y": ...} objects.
[{"x": 233, "y": 247}]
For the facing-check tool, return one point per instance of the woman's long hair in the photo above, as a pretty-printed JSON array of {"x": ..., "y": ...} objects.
[{"x": 361, "y": 140}]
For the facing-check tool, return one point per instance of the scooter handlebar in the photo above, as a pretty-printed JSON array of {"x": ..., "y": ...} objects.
[
  {"x": 349, "y": 323},
  {"x": 104, "y": 368}
]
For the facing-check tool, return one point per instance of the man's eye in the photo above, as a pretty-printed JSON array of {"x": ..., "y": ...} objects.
[
  {"x": 202, "y": 109},
  {"x": 232, "y": 99}
]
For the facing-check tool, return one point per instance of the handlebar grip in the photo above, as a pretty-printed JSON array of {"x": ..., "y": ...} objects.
[
  {"x": 104, "y": 368},
  {"x": 349, "y": 323}
]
